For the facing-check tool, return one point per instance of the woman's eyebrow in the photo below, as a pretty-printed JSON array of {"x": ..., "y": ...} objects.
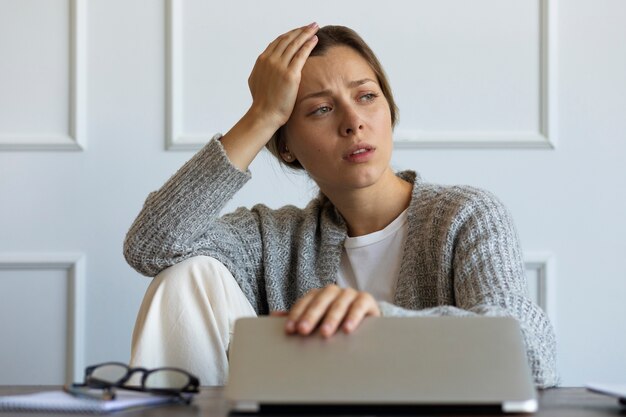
[
  {"x": 325, "y": 93},
  {"x": 357, "y": 83}
]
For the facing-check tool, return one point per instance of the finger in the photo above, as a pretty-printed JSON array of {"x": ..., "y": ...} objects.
[
  {"x": 316, "y": 309},
  {"x": 364, "y": 305},
  {"x": 272, "y": 46},
  {"x": 279, "y": 44},
  {"x": 273, "y": 53},
  {"x": 305, "y": 40},
  {"x": 337, "y": 311},
  {"x": 297, "y": 309},
  {"x": 292, "y": 43},
  {"x": 298, "y": 60}
]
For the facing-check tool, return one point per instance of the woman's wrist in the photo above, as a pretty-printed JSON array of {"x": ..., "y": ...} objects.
[
  {"x": 263, "y": 120},
  {"x": 245, "y": 140}
]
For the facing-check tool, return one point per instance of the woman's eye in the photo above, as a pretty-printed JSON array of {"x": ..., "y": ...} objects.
[
  {"x": 321, "y": 110},
  {"x": 367, "y": 97}
]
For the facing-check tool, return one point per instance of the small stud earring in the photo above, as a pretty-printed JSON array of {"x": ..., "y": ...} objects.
[{"x": 287, "y": 155}]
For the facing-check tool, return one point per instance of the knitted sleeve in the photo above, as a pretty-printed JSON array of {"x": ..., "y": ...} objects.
[
  {"x": 181, "y": 220},
  {"x": 487, "y": 274}
]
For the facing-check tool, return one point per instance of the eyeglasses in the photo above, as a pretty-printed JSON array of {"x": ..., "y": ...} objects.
[{"x": 164, "y": 381}]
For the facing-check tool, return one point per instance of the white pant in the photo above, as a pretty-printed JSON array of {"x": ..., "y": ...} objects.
[{"x": 186, "y": 319}]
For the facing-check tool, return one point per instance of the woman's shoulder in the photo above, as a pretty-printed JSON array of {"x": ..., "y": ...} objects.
[{"x": 459, "y": 198}]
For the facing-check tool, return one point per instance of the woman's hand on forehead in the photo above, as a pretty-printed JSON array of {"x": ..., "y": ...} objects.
[
  {"x": 276, "y": 75},
  {"x": 274, "y": 84}
]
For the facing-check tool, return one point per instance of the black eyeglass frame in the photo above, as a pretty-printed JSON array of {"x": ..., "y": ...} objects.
[{"x": 192, "y": 386}]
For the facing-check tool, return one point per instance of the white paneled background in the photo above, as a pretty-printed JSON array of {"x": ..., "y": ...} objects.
[{"x": 102, "y": 100}]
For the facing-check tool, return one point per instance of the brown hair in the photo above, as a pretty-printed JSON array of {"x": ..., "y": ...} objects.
[{"x": 328, "y": 37}]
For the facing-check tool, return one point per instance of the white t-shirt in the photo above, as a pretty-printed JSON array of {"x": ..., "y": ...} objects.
[{"x": 371, "y": 262}]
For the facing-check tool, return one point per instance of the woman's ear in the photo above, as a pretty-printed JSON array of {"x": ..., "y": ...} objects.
[{"x": 287, "y": 156}]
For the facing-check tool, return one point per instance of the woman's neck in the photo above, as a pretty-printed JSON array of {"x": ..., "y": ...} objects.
[{"x": 367, "y": 210}]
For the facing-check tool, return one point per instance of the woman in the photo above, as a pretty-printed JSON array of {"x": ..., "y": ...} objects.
[{"x": 373, "y": 243}]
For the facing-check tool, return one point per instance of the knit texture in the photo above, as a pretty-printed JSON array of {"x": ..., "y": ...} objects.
[{"x": 461, "y": 258}]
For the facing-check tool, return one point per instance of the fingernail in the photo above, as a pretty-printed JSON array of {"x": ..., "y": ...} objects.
[
  {"x": 327, "y": 329},
  {"x": 312, "y": 25},
  {"x": 290, "y": 326},
  {"x": 348, "y": 326},
  {"x": 303, "y": 326}
]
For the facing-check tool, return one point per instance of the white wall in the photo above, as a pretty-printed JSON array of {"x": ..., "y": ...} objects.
[{"x": 97, "y": 99}]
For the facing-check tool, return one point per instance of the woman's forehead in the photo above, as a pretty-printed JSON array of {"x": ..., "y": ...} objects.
[{"x": 339, "y": 63}]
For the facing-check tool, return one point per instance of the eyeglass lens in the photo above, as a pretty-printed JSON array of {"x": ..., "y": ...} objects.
[
  {"x": 111, "y": 373},
  {"x": 166, "y": 379}
]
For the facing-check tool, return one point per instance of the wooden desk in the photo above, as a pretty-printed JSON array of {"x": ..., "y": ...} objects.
[{"x": 571, "y": 402}]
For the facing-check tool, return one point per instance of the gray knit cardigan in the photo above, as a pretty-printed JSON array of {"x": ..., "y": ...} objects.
[{"x": 461, "y": 256}]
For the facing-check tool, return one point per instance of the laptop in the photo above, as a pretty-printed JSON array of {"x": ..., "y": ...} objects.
[{"x": 388, "y": 364}]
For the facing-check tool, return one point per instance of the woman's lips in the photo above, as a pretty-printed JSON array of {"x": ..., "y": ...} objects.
[{"x": 359, "y": 153}]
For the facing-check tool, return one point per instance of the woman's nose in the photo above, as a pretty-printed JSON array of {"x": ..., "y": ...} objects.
[{"x": 351, "y": 122}]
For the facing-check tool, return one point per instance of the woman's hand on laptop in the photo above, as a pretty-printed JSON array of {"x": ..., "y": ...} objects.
[{"x": 331, "y": 308}]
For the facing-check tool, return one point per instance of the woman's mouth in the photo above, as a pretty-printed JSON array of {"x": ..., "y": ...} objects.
[{"x": 359, "y": 153}]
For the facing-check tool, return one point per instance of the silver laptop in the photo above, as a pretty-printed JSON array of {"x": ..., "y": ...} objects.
[{"x": 386, "y": 365}]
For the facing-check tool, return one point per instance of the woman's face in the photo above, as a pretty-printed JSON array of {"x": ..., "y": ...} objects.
[{"x": 340, "y": 129}]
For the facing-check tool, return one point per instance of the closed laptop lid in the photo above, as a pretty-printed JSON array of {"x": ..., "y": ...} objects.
[{"x": 386, "y": 362}]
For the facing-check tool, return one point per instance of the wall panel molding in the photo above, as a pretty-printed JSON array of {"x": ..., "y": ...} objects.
[
  {"x": 74, "y": 264},
  {"x": 173, "y": 95},
  {"x": 542, "y": 265},
  {"x": 75, "y": 139},
  {"x": 544, "y": 138}
]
